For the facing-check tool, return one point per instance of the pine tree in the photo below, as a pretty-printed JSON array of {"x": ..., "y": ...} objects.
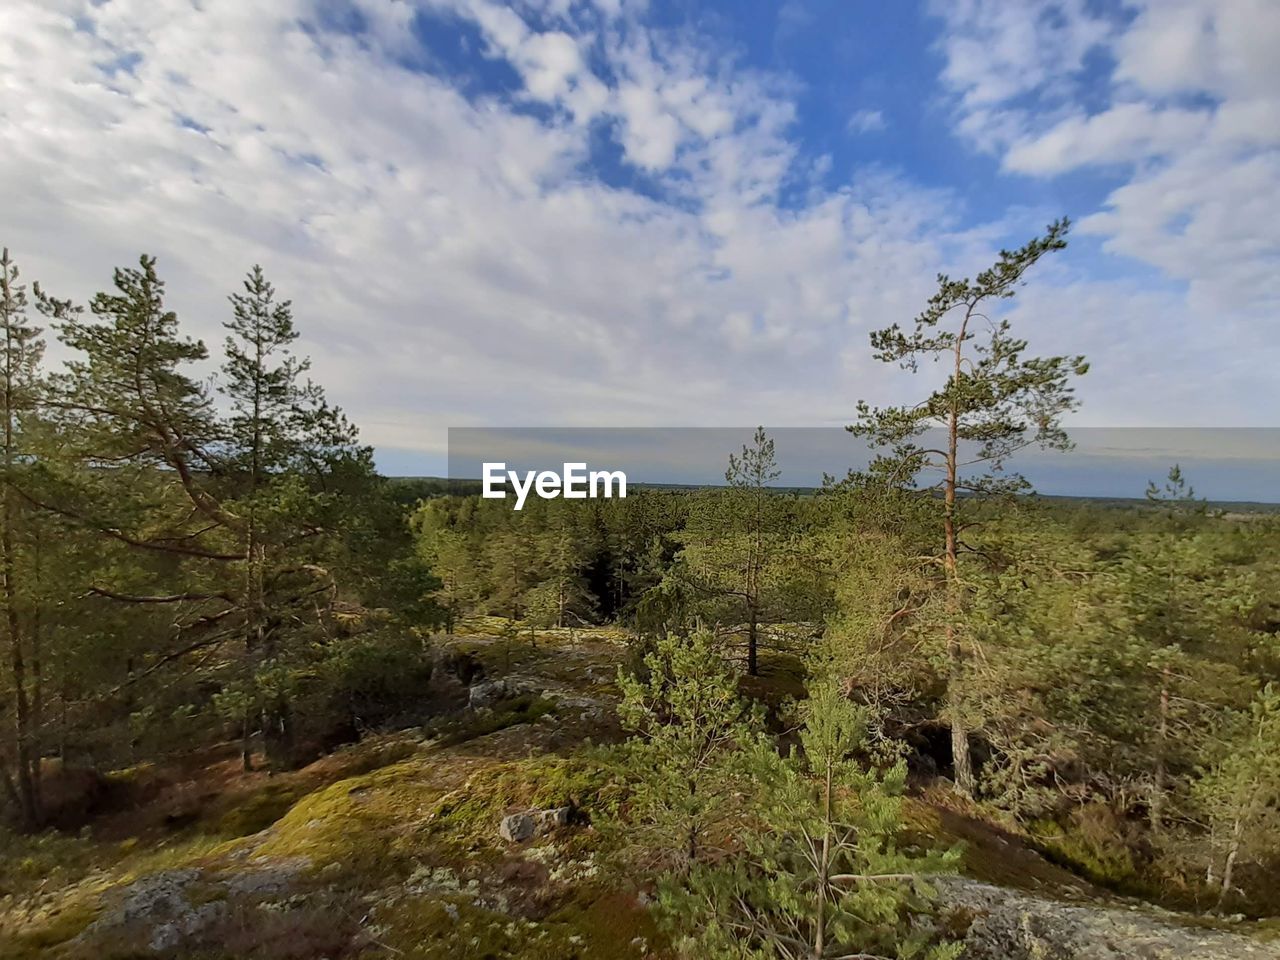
[
  {"x": 1173, "y": 602},
  {"x": 283, "y": 442},
  {"x": 994, "y": 402},
  {"x": 448, "y": 555},
  {"x": 21, "y": 393},
  {"x": 248, "y": 510},
  {"x": 734, "y": 542},
  {"x": 820, "y": 874},
  {"x": 687, "y": 721},
  {"x": 1240, "y": 794},
  {"x": 564, "y": 598}
]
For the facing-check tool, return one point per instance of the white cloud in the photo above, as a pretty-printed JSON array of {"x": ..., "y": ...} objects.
[
  {"x": 1125, "y": 133},
  {"x": 996, "y": 51},
  {"x": 866, "y": 121},
  {"x": 458, "y": 258},
  {"x": 1189, "y": 121}
]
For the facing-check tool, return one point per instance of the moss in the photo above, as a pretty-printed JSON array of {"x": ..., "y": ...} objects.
[
  {"x": 49, "y": 931},
  {"x": 1091, "y": 844},
  {"x": 167, "y": 856},
  {"x": 612, "y": 924},
  {"x": 545, "y": 636},
  {"x": 508, "y": 712},
  {"x": 242, "y": 813},
  {"x": 51, "y": 859},
  {"x": 588, "y": 783},
  {"x": 598, "y": 928},
  {"x": 257, "y": 811},
  {"x": 367, "y": 825}
]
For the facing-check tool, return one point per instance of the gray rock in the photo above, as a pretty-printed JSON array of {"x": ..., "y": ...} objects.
[
  {"x": 551, "y": 819},
  {"x": 159, "y": 908},
  {"x": 1013, "y": 925},
  {"x": 521, "y": 826},
  {"x": 484, "y": 694},
  {"x": 517, "y": 827}
]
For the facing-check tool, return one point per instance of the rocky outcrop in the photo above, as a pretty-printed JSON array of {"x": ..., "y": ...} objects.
[
  {"x": 180, "y": 907},
  {"x": 1012, "y": 925}
]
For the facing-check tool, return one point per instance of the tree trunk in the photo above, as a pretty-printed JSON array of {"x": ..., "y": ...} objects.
[
  {"x": 1233, "y": 852},
  {"x": 27, "y": 756},
  {"x": 824, "y": 867},
  {"x": 961, "y": 758},
  {"x": 246, "y": 743},
  {"x": 25, "y": 748},
  {"x": 277, "y": 735}
]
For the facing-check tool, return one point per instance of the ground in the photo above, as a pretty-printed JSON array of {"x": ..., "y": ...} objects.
[{"x": 391, "y": 847}]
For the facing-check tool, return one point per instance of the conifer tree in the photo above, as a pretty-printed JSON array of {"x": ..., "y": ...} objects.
[
  {"x": 563, "y": 598},
  {"x": 21, "y": 393},
  {"x": 448, "y": 555},
  {"x": 994, "y": 401},
  {"x": 1240, "y": 794},
  {"x": 1172, "y": 605},
  {"x": 283, "y": 443},
  {"x": 734, "y": 541},
  {"x": 247, "y": 508},
  {"x": 687, "y": 721},
  {"x": 821, "y": 875}
]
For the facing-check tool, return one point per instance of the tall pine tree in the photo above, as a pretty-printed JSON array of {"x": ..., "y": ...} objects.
[{"x": 994, "y": 401}]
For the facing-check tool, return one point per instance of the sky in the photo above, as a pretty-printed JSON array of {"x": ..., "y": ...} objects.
[{"x": 626, "y": 213}]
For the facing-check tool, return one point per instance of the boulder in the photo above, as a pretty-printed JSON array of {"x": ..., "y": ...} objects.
[
  {"x": 551, "y": 819},
  {"x": 517, "y": 827},
  {"x": 521, "y": 826},
  {"x": 485, "y": 694}
]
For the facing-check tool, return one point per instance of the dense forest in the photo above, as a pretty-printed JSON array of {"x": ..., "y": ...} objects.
[{"x": 196, "y": 550}]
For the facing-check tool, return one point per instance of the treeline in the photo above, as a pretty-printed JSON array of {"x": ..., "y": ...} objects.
[{"x": 184, "y": 558}]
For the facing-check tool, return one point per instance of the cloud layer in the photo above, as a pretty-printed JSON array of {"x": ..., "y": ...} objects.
[{"x": 600, "y": 220}]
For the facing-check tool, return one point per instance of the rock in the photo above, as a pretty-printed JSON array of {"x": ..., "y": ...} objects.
[
  {"x": 1014, "y": 925},
  {"x": 551, "y": 819},
  {"x": 485, "y": 694},
  {"x": 516, "y": 827},
  {"x": 268, "y": 880},
  {"x": 521, "y": 826},
  {"x": 158, "y": 910}
]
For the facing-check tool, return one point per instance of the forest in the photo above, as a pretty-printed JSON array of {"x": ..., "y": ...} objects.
[{"x": 198, "y": 558}]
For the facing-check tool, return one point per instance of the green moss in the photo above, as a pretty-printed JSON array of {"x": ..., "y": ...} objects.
[
  {"x": 368, "y": 825},
  {"x": 589, "y": 783},
  {"x": 603, "y": 928},
  {"x": 611, "y": 924},
  {"x": 241, "y": 814},
  {"x": 509, "y": 712},
  {"x": 257, "y": 810},
  {"x": 50, "y": 931},
  {"x": 52, "y": 859},
  {"x": 1091, "y": 844}
]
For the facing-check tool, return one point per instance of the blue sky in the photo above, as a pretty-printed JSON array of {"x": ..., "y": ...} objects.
[{"x": 628, "y": 213}]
